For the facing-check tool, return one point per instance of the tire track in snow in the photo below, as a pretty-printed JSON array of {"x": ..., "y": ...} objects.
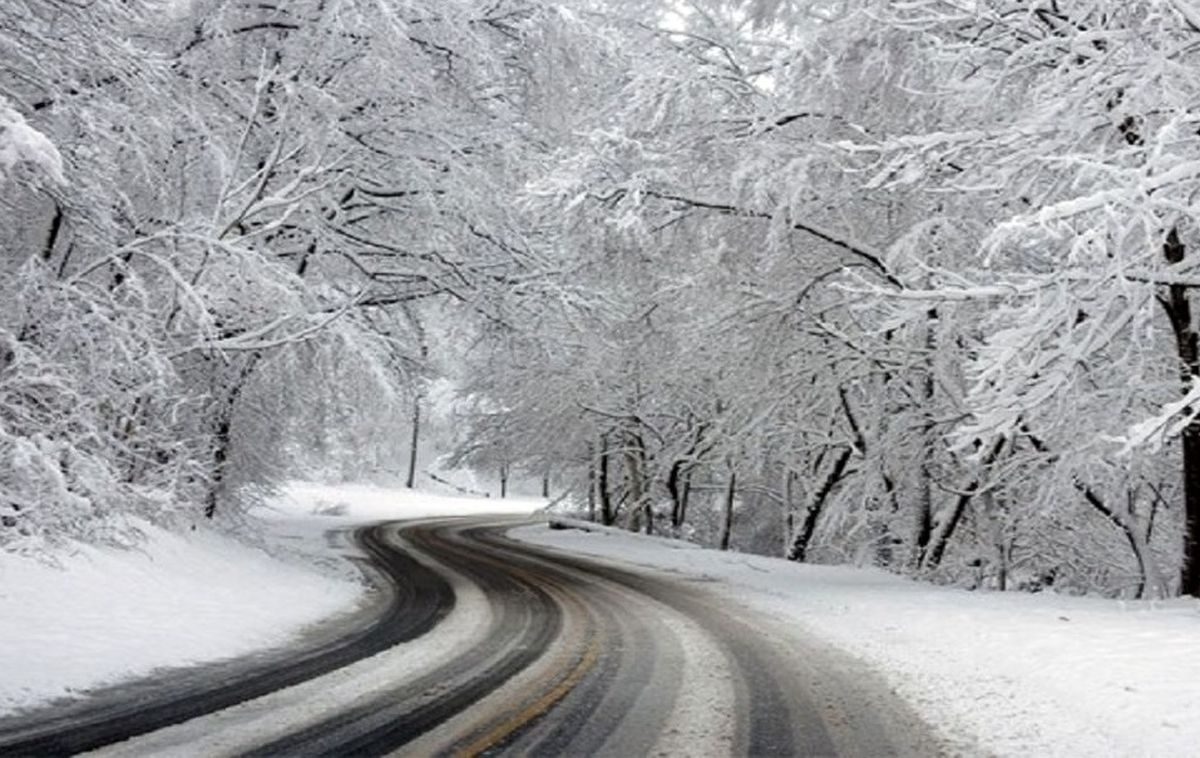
[
  {"x": 546, "y": 653},
  {"x": 414, "y": 599}
]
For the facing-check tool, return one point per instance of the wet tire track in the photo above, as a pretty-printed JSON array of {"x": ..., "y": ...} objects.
[
  {"x": 416, "y": 598},
  {"x": 575, "y": 656}
]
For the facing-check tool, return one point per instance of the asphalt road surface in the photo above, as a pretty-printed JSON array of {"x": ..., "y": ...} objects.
[{"x": 480, "y": 645}]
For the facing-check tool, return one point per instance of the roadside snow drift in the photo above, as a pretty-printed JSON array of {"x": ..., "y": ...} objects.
[
  {"x": 995, "y": 673},
  {"x": 110, "y": 614}
]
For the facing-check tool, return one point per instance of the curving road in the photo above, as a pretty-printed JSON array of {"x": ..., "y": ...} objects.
[{"x": 483, "y": 645}]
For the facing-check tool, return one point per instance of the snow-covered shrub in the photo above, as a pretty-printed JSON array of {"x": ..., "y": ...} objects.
[{"x": 86, "y": 407}]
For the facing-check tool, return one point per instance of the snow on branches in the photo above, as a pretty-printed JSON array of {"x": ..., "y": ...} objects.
[{"x": 21, "y": 143}]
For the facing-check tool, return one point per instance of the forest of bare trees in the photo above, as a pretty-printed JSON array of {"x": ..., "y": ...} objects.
[{"x": 896, "y": 284}]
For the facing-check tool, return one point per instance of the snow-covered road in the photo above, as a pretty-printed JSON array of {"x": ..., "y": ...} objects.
[
  {"x": 543, "y": 652},
  {"x": 647, "y": 645}
]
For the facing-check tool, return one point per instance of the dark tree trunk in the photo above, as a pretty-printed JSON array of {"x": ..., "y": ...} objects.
[
  {"x": 941, "y": 538},
  {"x": 546, "y": 486},
  {"x": 1190, "y": 578},
  {"x": 887, "y": 539},
  {"x": 727, "y": 523},
  {"x": 642, "y": 514},
  {"x": 789, "y": 507},
  {"x": 1127, "y": 531},
  {"x": 923, "y": 531},
  {"x": 679, "y": 485},
  {"x": 503, "y": 481},
  {"x": 52, "y": 235},
  {"x": 945, "y": 531},
  {"x": 1148, "y": 537},
  {"x": 679, "y": 477},
  {"x": 418, "y": 384},
  {"x": 607, "y": 517},
  {"x": 684, "y": 495},
  {"x": 1177, "y": 304},
  {"x": 591, "y": 483},
  {"x": 416, "y": 435},
  {"x": 221, "y": 442},
  {"x": 222, "y": 426},
  {"x": 802, "y": 537},
  {"x": 675, "y": 490},
  {"x": 1004, "y": 553},
  {"x": 65, "y": 260}
]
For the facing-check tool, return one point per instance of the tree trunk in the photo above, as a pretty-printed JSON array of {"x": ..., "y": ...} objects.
[
  {"x": 684, "y": 496},
  {"x": 52, "y": 236},
  {"x": 727, "y": 523},
  {"x": 223, "y": 435},
  {"x": 679, "y": 477},
  {"x": 945, "y": 529},
  {"x": 1004, "y": 552},
  {"x": 607, "y": 517},
  {"x": 1151, "y": 581},
  {"x": 679, "y": 485},
  {"x": 220, "y": 458},
  {"x": 591, "y": 483},
  {"x": 416, "y": 433},
  {"x": 789, "y": 507},
  {"x": 802, "y": 537},
  {"x": 886, "y": 539},
  {"x": 546, "y": 486},
  {"x": 418, "y": 385},
  {"x": 1178, "y": 306},
  {"x": 923, "y": 529},
  {"x": 503, "y": 481},
  {"x": 1128, "y": 530},
  {"x": 1189, "y": 583},
  {"x": 635, "y": 459},
  {"x": 674, "y": 489},
  {"x": 1127, "y": 526}
]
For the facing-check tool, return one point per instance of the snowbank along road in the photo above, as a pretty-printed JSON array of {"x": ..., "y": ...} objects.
[{"x": 480, "y": 644}]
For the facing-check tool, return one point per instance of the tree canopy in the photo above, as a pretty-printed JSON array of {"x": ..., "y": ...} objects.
[{"x": 902, "y": 284}]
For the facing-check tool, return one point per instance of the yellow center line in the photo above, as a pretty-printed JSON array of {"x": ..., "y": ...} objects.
[{"x": 506, "y": 728}]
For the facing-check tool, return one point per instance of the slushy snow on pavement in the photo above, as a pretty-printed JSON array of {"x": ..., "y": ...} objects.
[{"x": 995, "y": 673}]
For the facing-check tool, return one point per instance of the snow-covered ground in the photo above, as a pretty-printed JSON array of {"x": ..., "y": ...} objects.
[
  {"x": 995, "y": 673},
  {"x": 1010, "y": 674},
  {"x": 108, "y": 614},
  {"x": 104, "y": 615},
  {"x": 363, "y": 503}
]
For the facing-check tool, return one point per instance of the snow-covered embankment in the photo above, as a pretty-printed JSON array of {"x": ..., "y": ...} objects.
[{"x": 994, "y": 673}]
